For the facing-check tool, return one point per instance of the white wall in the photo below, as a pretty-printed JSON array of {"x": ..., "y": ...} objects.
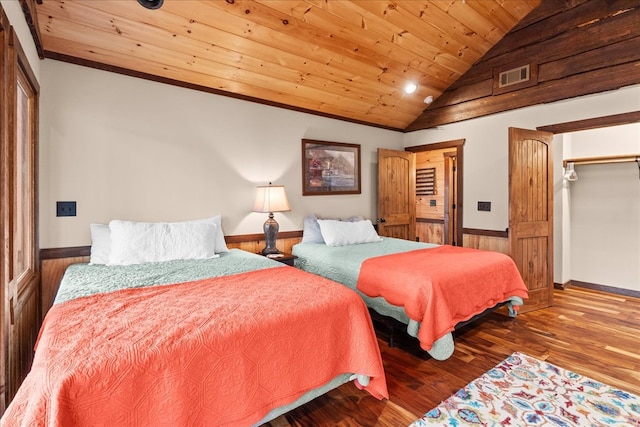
[{"x": 133, "y": 149}]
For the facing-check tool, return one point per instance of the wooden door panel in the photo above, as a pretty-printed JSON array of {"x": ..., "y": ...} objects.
[
  {"x": 397, "y": 231},
  {"x": 24, "y": 330},
  {"x": 531, "y": 213},
  {"x": 534, "y": 228},
  {"x": 531, "y": 255},
  {"x": 397, "y": 194}
]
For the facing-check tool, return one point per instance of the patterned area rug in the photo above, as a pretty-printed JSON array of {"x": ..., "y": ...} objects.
[{"x": 524, "y": 391}]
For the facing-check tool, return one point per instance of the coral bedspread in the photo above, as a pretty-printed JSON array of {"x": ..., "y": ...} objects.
[
  {"x": 220, "y": 351},
  {"x": 442, "y": 286}
]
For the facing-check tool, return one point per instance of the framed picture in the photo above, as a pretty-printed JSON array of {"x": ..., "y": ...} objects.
[{"x": 330, "y": 168}]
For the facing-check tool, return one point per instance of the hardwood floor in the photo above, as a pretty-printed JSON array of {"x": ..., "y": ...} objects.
[{"x": 592, "y": 333}]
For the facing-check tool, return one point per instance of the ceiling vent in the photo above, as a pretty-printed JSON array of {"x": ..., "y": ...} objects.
[{"x": 514, "y": 76}]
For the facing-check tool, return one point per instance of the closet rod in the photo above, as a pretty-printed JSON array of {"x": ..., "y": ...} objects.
[{"x": 603, "y": 159}]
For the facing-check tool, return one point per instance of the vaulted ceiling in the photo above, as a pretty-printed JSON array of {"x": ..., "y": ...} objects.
[{"x": 348, "y": 59}]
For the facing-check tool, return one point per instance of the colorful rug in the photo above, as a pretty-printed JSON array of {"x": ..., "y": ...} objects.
[{"x": 524, "y": 391}]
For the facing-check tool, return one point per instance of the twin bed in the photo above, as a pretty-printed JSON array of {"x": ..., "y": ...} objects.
[
  {"x": 429, "y": 288},
  {"x": 231, "y": 339}
]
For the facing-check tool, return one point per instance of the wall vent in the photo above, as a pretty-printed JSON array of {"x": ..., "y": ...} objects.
[
  {"x": 426, "y": 182},
  {"x": 514, "y": 76}
]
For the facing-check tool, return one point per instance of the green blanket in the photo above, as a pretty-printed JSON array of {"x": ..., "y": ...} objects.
[{"x": 86, "y": 279}]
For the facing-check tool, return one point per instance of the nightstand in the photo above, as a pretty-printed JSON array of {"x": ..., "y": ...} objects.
[{"x": 285, "y": 259}]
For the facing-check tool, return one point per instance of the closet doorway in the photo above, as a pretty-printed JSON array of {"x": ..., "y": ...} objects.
[{"x": 600, "y": 209}]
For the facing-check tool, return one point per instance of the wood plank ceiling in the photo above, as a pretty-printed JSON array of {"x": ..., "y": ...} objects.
[{"x": 339, "y": 58}]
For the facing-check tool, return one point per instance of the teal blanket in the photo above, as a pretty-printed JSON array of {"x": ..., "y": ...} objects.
[
  {"x": 84, "y": 279},
  {"x": 342, "y": 264}
]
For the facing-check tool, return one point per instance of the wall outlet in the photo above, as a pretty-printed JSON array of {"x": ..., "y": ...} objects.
[
  {"x": 65, "y": 208},
  {"x": 432, "y": 203}
]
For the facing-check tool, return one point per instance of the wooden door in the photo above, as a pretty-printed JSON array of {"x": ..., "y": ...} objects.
[
  {"x": 19, "y": 253},
  {"x": 397, "y": 194},
  {"x": 531, "y": 213}
]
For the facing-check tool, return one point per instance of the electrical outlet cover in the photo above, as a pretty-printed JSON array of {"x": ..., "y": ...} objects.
[{"x": 65, "y": 208}]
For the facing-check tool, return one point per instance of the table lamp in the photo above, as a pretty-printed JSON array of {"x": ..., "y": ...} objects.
[{"x": 271, "y": 198}]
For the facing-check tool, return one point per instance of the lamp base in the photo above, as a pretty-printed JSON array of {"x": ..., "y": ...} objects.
[
  {"x": 270, "y": 251},
  {"x": 271, "y": 228}
]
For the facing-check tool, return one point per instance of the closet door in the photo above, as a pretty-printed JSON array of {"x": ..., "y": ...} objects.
[
  {"x": 531, "y": 213},
  {"x": 20, "y": 263}
]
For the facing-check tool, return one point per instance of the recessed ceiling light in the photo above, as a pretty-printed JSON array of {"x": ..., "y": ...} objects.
[
  {"x": 410, "y": 88},
  {"x": 428, "y": 99},
  {"x": 151, "y": 4}
]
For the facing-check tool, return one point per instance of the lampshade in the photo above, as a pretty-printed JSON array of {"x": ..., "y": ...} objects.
[
  {"x": 271, "y": 198},
  {"x": 570, "y": 173}
]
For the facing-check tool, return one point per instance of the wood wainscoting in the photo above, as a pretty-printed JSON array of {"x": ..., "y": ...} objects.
[
  {"x": 256, "y": 243},
  {"x": 54, "y": 262},
  {"x": 489, "y": 240},
  {"x": 430, "y": 230}
]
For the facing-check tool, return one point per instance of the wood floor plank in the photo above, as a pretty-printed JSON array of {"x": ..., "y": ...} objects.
[{"x": 592, "y": 333}]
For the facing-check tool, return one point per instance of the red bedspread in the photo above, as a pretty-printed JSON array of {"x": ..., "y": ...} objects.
[
  {"x": 441, "y": 286},
  {"x": 221, "y": 351}
]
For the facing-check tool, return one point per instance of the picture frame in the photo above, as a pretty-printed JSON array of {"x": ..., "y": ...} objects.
[{"x": 330, "y": 168}]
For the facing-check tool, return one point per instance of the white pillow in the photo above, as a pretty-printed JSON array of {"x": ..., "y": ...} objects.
[
  {"x": 100, "y": 243},
  {"x": 140, "y": 242},
  {"x": 220, "y": 243},
  {"x": 101, "y": 240},
  {"x": 342, "y": 233},
  {"x": 311, "y": 229}
]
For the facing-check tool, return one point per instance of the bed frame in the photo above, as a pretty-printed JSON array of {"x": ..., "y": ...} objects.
[{"x": 393, "y": 325}]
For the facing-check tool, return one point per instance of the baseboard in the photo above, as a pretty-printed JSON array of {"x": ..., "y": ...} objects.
[
  {"x": 603, "y": 288},
  {"x": 564, "y": 285}
]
